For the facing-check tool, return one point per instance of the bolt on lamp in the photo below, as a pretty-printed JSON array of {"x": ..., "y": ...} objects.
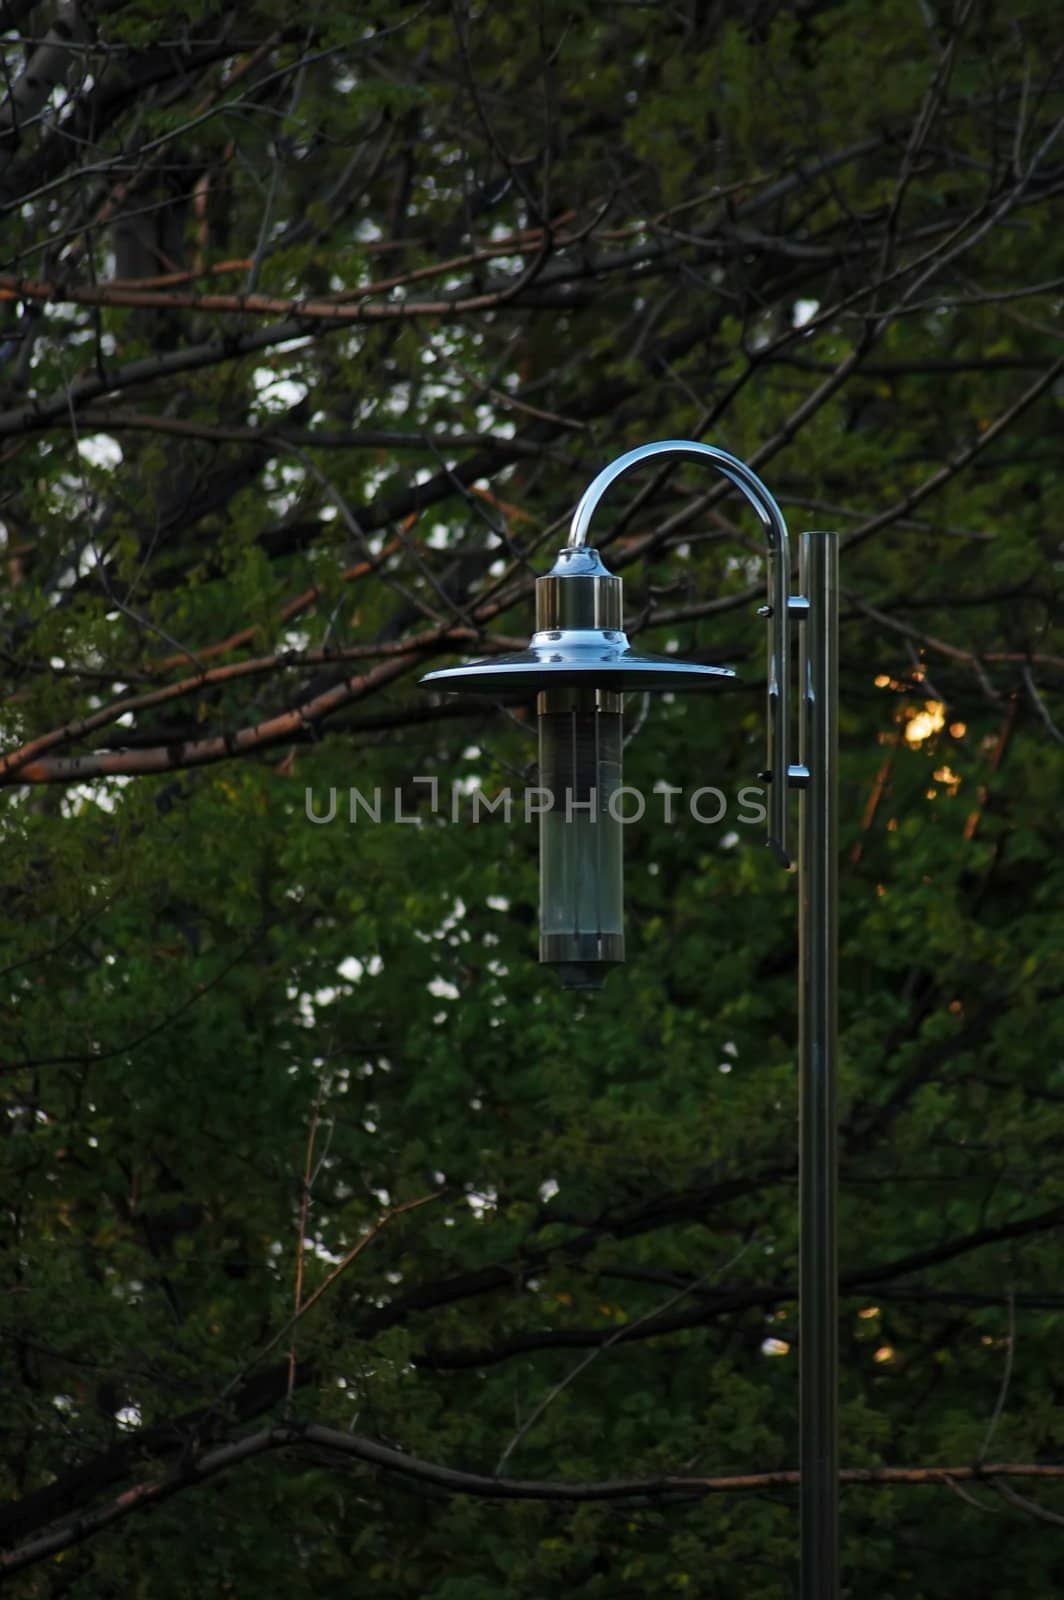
[{"x": 579, "y": 663}]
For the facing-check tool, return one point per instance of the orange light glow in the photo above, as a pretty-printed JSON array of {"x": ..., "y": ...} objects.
[{"x": 922, "y": 724}]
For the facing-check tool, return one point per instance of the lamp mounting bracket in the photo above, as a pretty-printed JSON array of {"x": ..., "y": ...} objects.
[{"x": 780, "y": 609}]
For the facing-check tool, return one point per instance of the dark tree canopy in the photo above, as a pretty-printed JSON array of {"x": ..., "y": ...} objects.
[{"x": 343, "y": 1253}]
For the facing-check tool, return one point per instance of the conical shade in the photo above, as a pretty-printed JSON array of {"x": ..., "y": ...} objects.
[{"x": 566, "y": 658}]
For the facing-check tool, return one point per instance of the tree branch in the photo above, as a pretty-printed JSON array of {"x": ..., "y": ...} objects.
[{"x": 452, "y": 1480}]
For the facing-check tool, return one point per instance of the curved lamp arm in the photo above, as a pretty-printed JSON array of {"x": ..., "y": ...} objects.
[{"x": 779, "y": 609}]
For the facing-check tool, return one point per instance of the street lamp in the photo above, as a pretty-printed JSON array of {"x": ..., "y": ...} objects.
[{"x": 578, "y": 663}]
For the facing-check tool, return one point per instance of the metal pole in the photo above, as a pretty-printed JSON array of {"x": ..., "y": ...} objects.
[{"x": 818, "y": 1032}]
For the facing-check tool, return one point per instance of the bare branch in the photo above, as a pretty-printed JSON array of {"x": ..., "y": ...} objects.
[{"x": 295, "y": 1436}]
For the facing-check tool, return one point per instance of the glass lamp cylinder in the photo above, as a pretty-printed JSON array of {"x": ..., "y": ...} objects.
[
  {"x": 581, "y": 864},
  {"x": 581, "y": 859}
]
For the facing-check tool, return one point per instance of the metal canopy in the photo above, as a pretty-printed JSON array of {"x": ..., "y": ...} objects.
[
  {"x": 591, "y": 658},
  {"x": 579, "y": 643}
]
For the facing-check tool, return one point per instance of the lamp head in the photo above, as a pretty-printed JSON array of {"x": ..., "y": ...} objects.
[
  {"x": 579, "y": 642},
  {"x": 578, "y": 663}
]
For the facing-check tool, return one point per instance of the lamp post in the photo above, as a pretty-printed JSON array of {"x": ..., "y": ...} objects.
[{"x": 579, "y": 663}]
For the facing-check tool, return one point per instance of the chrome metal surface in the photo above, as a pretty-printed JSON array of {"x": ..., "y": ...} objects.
[
  {"x": 588, "y": 657},
  {"x": 582, "y": 961},
  {"x": 818, "y": 1049},
  {"x": 778, "y": 575},
  {"x": 579, "y": 642},
  {"x": 579, "y": 592}
]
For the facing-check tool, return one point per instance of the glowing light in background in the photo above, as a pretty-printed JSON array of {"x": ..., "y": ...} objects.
[{"x": 923, "y": 724}]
